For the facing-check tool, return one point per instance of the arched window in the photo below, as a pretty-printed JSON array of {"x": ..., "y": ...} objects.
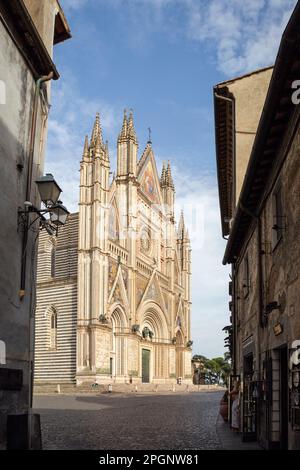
[
  {"x": 53, "y": 329},
  {"x": 53, "y": 256}
]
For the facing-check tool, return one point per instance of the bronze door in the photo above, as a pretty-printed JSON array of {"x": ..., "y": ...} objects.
[{"x": 145, "y": 366}]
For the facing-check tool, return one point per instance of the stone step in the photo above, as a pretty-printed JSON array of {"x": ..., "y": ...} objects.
[{"x": 87, "y": 388}]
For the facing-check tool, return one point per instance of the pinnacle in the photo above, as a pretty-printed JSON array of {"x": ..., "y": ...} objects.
[
  {"x": 98, "y": 143},
  {"x": 131, "y": 129},
  {"x": 169, "y": 179},
  {"x": 181, "y": 226},
  {"x": 163, "y": 175},
  {"x": 123, "y": 133},
  {"x": 85, "y": 153},
  {"x": 97, "y": 131}
]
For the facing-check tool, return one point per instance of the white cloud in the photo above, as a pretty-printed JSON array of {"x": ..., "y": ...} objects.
[
  {"x": 245, "y": 35},
  {"x": 239, "y": 35},
  {"x": 72, "y": 119},
  {"x": 198, "y": 196}
]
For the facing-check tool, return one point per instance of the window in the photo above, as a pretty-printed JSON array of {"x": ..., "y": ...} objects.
[
  {"x": 246, "y": 277},
  {"x": 53, "y": 256},
  {"x": 53, "y": 330},
  {"x": 278, "y": 217}
]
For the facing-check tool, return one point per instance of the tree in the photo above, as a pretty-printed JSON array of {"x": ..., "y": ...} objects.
[{"x": 216, "y": 370}]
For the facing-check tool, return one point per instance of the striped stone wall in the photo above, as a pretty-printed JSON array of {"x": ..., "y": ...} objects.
[{"x": 57, "y": 292}]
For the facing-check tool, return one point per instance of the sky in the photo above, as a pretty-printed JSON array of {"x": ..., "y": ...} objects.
[{"x": 162, "y": 58}]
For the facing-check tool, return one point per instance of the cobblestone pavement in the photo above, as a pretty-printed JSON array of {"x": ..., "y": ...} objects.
[{"x": 136, "y": 421}]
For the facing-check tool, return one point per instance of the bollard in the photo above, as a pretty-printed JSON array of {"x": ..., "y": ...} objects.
[
  {"x": 173, "y": 388},
  {"x": 109, "y": 388},
  {"x": 136, "y": 389},
  {"x": 187, "y": 389},
  {"x": 58, "y": 388}
]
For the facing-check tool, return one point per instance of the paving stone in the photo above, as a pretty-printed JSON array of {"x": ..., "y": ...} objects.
[{"x": 118, "y": 421}]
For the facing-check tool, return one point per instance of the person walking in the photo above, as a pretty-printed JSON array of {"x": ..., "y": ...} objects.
[{"x": 235, "y": 408}]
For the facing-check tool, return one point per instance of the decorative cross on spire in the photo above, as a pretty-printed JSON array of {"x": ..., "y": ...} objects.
[{"x": 149, "y": 140}]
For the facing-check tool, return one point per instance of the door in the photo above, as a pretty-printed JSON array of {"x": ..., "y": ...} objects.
[{"x": 145, "y": 365}]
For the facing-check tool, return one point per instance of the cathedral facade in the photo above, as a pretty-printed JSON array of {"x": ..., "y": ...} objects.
[{"x": 113, "y": 288}]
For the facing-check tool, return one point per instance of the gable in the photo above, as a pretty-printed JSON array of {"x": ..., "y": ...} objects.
[
  {"x": 153, "y": 292},
  {"x": 118, "y": 292},
  {"x": 148, "y": 178}
]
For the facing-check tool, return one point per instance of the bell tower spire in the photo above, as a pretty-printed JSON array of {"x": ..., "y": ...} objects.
[
  {"x": 97, "y": 131},
  {"x": 85, "y": 154},
  {"x": 123, "y": 132},
  {"x": 168, "y": 190},
  {"x": 93, "y": 246},
  {"x": 127, "y": 149}
]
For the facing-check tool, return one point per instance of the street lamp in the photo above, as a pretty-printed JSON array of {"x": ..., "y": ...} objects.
[
  {"x": 49, "y": 192},
  {"x": 59, "y": 214},
  {"x": 48, "y": 189}
]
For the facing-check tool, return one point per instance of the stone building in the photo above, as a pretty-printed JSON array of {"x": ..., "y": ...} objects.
[
  {"x": 28, "y": 30},
  {"x": 114, "y": 287},
  {"x": 259, "y": 187}
]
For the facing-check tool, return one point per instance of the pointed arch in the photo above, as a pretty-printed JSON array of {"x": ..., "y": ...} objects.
[
  {"x": 118, "y": 316},
  {"x": 153, "y": 317},
  {"x": 52, "y": 321},
  {"x": 119, "y": 324}
]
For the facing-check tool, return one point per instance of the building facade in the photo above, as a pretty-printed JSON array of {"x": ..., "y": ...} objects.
[
  {"x": 262, "y": 225},
  {"x": 28, "y": 30},
  {"x": 114, "y": 287}
]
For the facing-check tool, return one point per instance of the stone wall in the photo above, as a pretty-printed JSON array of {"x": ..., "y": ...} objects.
[{"x": 281, "y": 275}]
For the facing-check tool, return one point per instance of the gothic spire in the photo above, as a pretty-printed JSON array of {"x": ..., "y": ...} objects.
[
  {"x": 97, "y": 131},
  {"x": 186, "y": 235},
  {"x": 85, "y": 153},
  {"x": 98, "y": 144},
  {"x": 169, "y": 179},
  {"x": 181, "y": 226},
  {"x": 163, "y": 175},
  {"x": 131, "y": 129},
  {"x": 123, "y": 133},
  {"x": 106, "y": 150}
]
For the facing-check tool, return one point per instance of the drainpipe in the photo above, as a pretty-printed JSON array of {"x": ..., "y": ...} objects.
[{"x": 38, "y": 85}]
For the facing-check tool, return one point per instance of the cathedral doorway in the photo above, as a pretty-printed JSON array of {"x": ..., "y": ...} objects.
[
  {"x": 145, "y": 365},
  {"x": 117, "y": 355},
  {"x": 179, "y": 354}
]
